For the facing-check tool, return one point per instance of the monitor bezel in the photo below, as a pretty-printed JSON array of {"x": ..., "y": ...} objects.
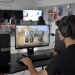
[{"x": 36, "y": 45}]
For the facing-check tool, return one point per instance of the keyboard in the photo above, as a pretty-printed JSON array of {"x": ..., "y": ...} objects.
[
  {"x": 39, "y": 57},
  {"x": 34, "y": 58}
]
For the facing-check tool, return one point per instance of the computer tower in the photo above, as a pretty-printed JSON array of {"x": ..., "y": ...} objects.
[{"x": 4, "y": 53}]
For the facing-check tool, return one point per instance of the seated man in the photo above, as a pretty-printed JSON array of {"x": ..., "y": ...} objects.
[
  {"x": 41, "y": 21},
  {"x": 64, "y": 62}
]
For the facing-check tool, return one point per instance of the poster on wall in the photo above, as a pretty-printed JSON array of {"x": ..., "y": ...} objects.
[
  {"x": 50, "y": 15},
  {"x": 60, "y": 9},
  {"x": 55, "y": 13}
]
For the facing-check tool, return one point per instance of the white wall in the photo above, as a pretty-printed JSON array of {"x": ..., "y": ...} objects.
[
  {"x": 31, "y": 4},
  {"x": 22, "y": 4},
  {"x": 64, "y": 10},
  {"x": 17, "y": 4},
  {"x": 43, "y": 3},
  {"x": 6, "y": 6}
]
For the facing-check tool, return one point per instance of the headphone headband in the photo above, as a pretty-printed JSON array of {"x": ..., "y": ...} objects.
[{"x": 67, "y": 26}]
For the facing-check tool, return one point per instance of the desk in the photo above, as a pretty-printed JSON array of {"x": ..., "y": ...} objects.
[{"x": 16, "y": 67}]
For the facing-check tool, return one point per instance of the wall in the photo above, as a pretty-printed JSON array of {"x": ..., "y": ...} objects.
[
  {"x": 5, "y": 6},
  {"x": 64, "y": 8},
  {"x": 52, "y": 24},
  {"x": 22, "y": 4},
  {"x": 43, "y": 3},
  {"x": 17, "y": 4},
  {"x": 31, "y": 4}
]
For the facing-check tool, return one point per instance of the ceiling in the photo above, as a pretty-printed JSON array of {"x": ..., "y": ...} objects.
[
  {"x": 6, "y": 1},
  {"x": 24, "y": 4},
  {"x": 11, "y": 1},
  {"x": 36, "y": 1}
]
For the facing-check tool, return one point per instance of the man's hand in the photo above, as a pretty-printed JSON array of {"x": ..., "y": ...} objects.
[
  {"x": 31, "y": 68},
  {"x": 53, "y": 52},
  {"x": 27, "y": 61}
]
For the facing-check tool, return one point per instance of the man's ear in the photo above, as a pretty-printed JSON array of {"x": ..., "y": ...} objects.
[{"x": 61, "y": 36}]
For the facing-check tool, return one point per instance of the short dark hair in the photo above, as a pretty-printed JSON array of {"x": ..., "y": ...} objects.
[
  {"x": 66, "y": 25},
  {"x": 40, "y": 17}
]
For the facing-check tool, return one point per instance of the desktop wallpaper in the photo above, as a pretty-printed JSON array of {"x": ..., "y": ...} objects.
[{"x": 31, "y": 36}]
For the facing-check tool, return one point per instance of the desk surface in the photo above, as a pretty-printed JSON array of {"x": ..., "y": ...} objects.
[{"x": 16, "y": 67}]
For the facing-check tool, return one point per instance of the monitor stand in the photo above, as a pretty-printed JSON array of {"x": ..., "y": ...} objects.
[{"x": 30, "y": 51}]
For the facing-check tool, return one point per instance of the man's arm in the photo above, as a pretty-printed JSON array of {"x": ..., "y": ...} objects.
[{"x": 31, "y": 68}]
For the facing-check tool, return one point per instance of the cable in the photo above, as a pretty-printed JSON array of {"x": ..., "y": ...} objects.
[{"x": 53, "y": 44}]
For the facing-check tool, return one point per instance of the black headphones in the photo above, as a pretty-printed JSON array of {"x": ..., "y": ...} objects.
[
  {"x": 65, "y": 26},
  {"x": 66, "y": 30}
]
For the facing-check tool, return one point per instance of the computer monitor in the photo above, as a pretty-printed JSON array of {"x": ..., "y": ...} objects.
[
  {"x": 31, "y": 36},
  {"x": 32, "y": 15}
]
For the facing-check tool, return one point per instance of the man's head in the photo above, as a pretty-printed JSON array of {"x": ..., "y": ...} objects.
[
  {"x": 40, "y": 18},
  {"x": 66, "y": 27}
]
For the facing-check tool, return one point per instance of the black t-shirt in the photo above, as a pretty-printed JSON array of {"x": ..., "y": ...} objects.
[
  {"x": 63, "y": 63},
  {"x": 41, "y": 23}
]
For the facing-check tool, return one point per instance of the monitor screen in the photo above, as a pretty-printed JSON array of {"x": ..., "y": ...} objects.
[
  {"x": 31, "y": 15},
  {"x": 32, "y": 36}
]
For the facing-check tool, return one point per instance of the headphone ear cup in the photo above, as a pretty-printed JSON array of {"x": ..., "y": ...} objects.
[{"x": 66, "y": 31}]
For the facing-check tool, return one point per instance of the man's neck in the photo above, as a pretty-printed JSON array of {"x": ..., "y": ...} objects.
[{"x": 68, "y": 41}]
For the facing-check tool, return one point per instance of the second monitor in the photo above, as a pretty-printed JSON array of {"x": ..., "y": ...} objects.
[{"x": 30, "y": 36}]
